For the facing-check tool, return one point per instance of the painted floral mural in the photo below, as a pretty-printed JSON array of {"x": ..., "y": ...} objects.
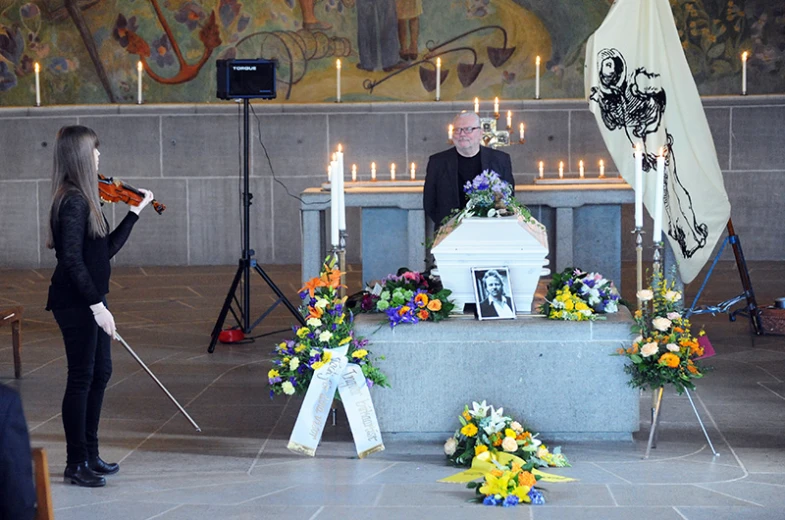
[{"x": 88, "y": 49}]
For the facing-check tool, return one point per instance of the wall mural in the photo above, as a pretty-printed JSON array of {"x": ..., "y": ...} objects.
[{"x": 88, "y": 49}]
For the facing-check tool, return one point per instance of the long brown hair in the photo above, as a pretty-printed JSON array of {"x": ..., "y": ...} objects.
[{"x": 75, "y": 172}]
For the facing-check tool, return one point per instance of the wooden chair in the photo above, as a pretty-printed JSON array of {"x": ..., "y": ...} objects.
[
  {"x": 43, "y": 492},
  {"x": 13, "y": 316}
]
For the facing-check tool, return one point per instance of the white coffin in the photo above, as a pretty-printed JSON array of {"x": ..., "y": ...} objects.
[{"x": 493, "y": 242}]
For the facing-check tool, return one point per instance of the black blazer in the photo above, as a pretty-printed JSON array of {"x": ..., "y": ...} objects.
[
  {"x": 440, "y": 193},
  {"x": 489, "y": 311},
  {"x": 16, "y": 467}
]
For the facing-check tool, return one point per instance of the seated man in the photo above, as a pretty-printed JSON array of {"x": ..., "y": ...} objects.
[{"x": 450, "y": 170}]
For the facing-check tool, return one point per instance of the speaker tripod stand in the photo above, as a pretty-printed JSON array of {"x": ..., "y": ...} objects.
[{"x": 247, "y": 262}]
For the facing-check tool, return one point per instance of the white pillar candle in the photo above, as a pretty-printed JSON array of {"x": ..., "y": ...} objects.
[
  {"x": 580, "y": 169},
  {"x": 602, "y": 168},
  {"x": 537, "y": 79},
  {"x": 392, "y": 171},
  {"x": 338, "y": 81},
  {"x": 542, "y": 170},
  {"x": 354, "y": 173},
  {"x": 138, "y": 82},
  {"x": 37, "y": 85},
  {"x": 373, "y": 171},
  {"x": 509, "y": 120},
  {"x": 449, "y": 133},
  {"x": 334, "y": 202},
  {"x": 438, "y": 78},
  {"x": 638, "y": 186},
  {"x": 476, "y": 105},
  {"x": 658, "y": 197},
  {"x": 744, "y": 73},
  {"x": 411, "y": 171},
  {"x": 521, "y": 128},
  {"x": 561, "y": 169},
  {"x": 339, "y": 169}
]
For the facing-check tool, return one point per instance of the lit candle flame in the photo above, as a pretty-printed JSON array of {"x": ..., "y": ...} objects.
[
  {"x": 509, "y": 119},
  {"x": 602, "y": 168},
  {"x": 138, "y": 66},
  {"x": 340, "y": 148},
  {"x": 476, "y": 105},
  {"x": 449, "y": 132},
  {"x": 373, "y": 171},
  {"x": 542, "y": 169},
  {"x": 580, "y": 168},
  {"x": 521, "y": 128},
  {"x": 37, "y": 67},
  {"x": 538, "y": 61},
  {"x": 496, "y": 105},
  {"x": 561, "y": 169},
  {"x": 392, "y": 171},
  {"x": 412, "y": 171},
  {"x": 354, "y": 172},
  {"x": 744, "y": 56},
  {"x": 338, "y": 64}
]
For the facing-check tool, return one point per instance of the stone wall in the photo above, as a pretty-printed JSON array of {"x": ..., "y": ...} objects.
[{"x": 189, "y": 155}]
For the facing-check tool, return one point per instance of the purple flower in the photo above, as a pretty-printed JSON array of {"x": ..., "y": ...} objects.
[
  {"x": 274, "y": 380},
  {"x": 369, "y": 383},
  {"x": 190, "y": 14},
  {"x": 162, "y": 51},
  {"x": 122, "y": 27}
]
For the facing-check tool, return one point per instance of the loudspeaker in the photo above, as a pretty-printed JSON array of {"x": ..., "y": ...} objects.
[{"x": 246, "y": 79}]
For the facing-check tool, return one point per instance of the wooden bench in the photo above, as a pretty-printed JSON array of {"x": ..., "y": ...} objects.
[{"x": 13, "y": 316}]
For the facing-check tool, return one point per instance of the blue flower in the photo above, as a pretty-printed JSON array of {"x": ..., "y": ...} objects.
[
  {"x": 272, "y": 394},
  {"x": 490, "y": 501},
  {"x": 510, "y": 501},
  {"x": 537, "y": 497},
  {"x": 190, "y": 14},
  {"x": 162, "y": 51}
]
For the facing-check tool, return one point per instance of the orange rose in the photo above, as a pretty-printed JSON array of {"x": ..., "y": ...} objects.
[
  {"x": 435, "y": 305},
  {"x": 422, "y": 314},
  {"x": 669, "y": 359}
]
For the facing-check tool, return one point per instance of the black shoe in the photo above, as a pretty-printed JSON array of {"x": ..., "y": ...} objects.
[
  {"x": 81, "y": 475},
  {"x": 100, "y": 467}
]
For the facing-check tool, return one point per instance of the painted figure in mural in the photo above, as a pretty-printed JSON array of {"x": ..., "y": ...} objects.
[
  {"x": 377, "y": 36},
  {"x": 409, "y": 12},
  {"x": 79, "y": 234},
  {"x": 448, "y": 171},
  {"x": 310, "y": 22},
  {"x": 636, "y": 105}
]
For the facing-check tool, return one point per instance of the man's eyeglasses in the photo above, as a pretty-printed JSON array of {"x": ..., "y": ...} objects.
[{"x": 466, "y": 130}]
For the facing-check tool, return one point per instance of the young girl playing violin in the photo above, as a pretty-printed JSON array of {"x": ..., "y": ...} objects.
[{"x": 79, "y": 234}]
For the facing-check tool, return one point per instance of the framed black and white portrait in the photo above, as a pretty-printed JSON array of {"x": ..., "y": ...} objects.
[{"x": 492, "y": 293}]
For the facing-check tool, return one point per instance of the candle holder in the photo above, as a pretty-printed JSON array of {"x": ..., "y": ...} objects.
[
  {"x": 638, "y": 231},
  {"x": 658, "y": 260},
  {"x": 340, "y": 255},
  {"x": 492, "y": 136}
]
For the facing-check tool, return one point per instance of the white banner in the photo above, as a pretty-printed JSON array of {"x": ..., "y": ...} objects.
[
  {"x": 641, "y": 91},
  {"x": 348, "y": 379}
]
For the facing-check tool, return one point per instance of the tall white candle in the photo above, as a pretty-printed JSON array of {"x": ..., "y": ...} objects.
[
  {"x": 542, "y": 170},
  {"x": 744, "y": 73},
  {"x": 561, "y": 169},
  {"x": 392, "y": 171},
  {"x": 373, "y": 171},
  {"x": 438, "y": 78},
  {"x": 537, "y": 79},
  {"x": 334, "y": 203},
  {"x": 354, "y": 172},
  {"x": 580, "y": 169},
  {"x": 476, "y": 105},
  {"x": 521, "y": 129},
  {"x": 602, "y": 168},
  {"x": 411, "y": 171},
  {"x": 658, "y": 197},
  {"x": 338, "y": 81},
  {"x": 509, "y": 120},
  {"x": 37, "y": 85},
  {"x": 138, "y": 82},
  {"x": 340, "y": 178},
  {"x": 638, "y": 186}
]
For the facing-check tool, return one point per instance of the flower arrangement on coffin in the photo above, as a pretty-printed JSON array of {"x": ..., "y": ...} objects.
[
  {"x": 508, "y": 485},
  {"x": 408, "y": 297},
  {"x": 665, "y": 350},
  {"x": 578, "y": 296},
  {"x": 485, "y": 429},
  {"x": 329, "y": 324},
  {"x": 487, "y": 196}
]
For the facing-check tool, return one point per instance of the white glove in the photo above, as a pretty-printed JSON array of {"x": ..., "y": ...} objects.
[
  {"x": 148, "y": 198},
  {"x": 103, "y": 318}
]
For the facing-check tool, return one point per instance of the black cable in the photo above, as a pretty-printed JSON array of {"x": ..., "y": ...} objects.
[{"x": 270, "y": 163}]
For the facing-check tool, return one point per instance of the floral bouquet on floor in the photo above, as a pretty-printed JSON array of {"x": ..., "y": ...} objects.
[
  {"x": 508, "y": 485},
  {"x": 578, "y": 296},
  {"x": 487, "y": 196},
  {"x": 485, "y": 429},
  {"x": 328, "y": 325},
  {"x": 407, "y": 297},
  {"x": 665, "y": 350}
]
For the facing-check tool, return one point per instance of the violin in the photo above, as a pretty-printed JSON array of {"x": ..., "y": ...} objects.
[{"x": 115, "y": 190}]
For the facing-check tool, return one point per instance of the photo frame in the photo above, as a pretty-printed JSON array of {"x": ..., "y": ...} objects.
[{"x": 493, "y": 293}]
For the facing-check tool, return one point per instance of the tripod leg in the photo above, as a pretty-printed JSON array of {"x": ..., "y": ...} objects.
[
  {"x": 224, "y": 310},
  {"x": 705, "y": 433},
  {"x": 281, "y": 296},
  {"x": 746, "y": 283},
  {"x": 657, "y": 398}
]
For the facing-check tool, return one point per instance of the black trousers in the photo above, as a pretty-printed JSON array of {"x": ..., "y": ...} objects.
[{"x": 88, "y": 349}]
